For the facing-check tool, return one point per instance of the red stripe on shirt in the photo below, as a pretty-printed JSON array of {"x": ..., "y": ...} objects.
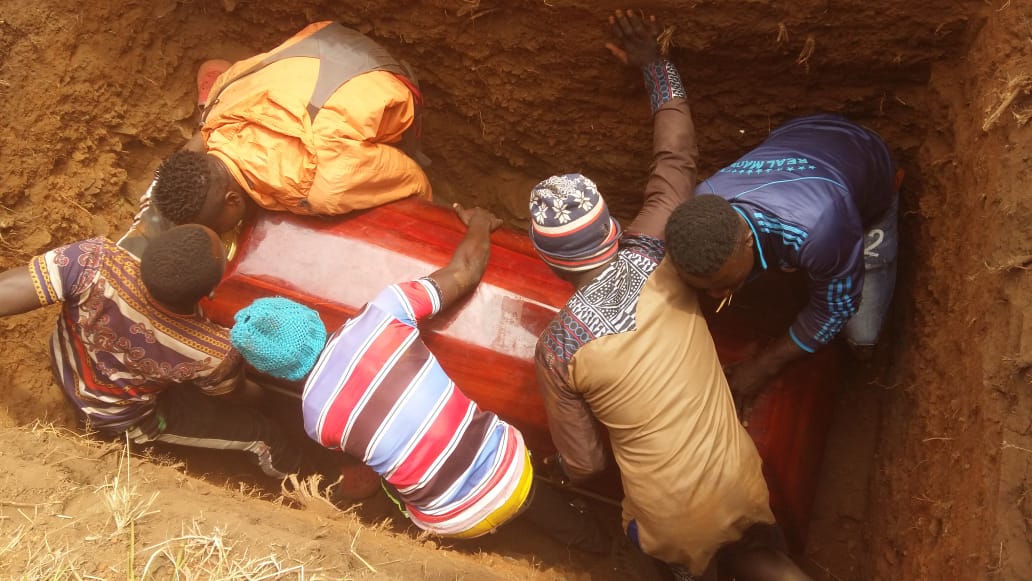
[
  {"x": 372, "y": 362},
  {"x": 501, "y": 471},
  {"x": 444, "y": 430}
]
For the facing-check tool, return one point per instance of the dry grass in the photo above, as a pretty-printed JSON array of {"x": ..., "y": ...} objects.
[
  {"x": 1014, "y": 263},
  {"x": 83, "y": 439},
  {"x": 1015, "y": 86},
  {"x": 355, "y": 554},
  {"x": 809, "y": 46},
  {"x": 1023, "y": 116},
  {"x": 665, "y": 40},
  {"x": 1005, "y": 445},
  {"x": 127, "y": 506},
  {"x": 47, "y": 562},
  {"x": 198, "y": 555},
  {"x": 36, "y": 557},
  {"x": 27, "y": 551},
  {"x": 191, "y": 556},
  {"x": 306, "y": 493},
  {"x": 472, "y": 10}
]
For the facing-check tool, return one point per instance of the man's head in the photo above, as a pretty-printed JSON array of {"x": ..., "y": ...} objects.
[
  {"x": 570, "y": 225},
  {"x": 710, "y": 244},
  {"x": 196, "y": 188},
  {"x": 279, "y": 337},
  {"x": 183, "y": 265}
]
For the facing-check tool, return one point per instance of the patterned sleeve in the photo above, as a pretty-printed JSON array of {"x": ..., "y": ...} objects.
[
  {"x": 833, "y": 256},
  {"x": 410, "y": 302},
  {"x": 663, "y": 83},
  {"x": 644, "y": 245},
  {"x": 674, "y": 150},
  {"x": 64, "y": 272}
]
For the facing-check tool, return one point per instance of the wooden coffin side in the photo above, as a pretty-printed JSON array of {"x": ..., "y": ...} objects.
[
  {"x": 789, "y": 424},
  {"x": 485, "y": 344}
]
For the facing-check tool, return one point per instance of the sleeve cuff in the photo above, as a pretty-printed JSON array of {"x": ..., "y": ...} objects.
[
  {"x": 435, "y": 293},
  {"x": 663, "y": 83},
  {"x": 803, "y": 346},
  {"x": 39, "y": 271}
]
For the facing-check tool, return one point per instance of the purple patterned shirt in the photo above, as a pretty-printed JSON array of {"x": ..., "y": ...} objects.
[{"x": 115, "y": 349}]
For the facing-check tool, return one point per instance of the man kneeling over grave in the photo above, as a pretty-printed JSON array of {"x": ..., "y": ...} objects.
[
  {"x": 375, "y": 391},
  {"x": 132, "y": 350},
  {"x": 326, "y": 123},
  {"x": 631, "y": 351}
]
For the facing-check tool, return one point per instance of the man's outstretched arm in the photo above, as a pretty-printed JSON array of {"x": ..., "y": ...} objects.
[
  {"x": 469, "y": 260},
  {"x": 833, "y": 258},
  {"x": 673, "y": 173},
  {"x": 17, "y": 292}
]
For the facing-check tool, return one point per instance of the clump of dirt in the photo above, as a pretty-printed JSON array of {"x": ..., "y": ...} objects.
[{"x": 928, "y": 465}]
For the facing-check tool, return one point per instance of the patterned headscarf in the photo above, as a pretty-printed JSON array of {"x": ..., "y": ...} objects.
[{"x": 570, "y": 224}]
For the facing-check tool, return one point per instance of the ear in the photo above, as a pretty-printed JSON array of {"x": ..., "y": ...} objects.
[
  {"x": 748, "y": 240},
  {"x": 234, "y": 198}
]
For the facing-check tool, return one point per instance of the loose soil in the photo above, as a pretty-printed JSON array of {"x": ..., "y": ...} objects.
[{"x": 929, "y": 465}]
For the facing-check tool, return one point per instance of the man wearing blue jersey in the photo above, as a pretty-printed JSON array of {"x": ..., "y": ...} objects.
[{"x": 819, "y": 195}]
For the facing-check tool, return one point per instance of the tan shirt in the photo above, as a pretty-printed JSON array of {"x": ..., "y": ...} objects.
[{"x": 632, "y": 350}]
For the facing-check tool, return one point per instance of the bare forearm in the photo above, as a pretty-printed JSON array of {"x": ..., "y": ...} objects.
[
  {"x": 780, "y": 353},
  {"x": 470, "y": 258},
  {"x": 17, "y": 293},
  {"x": 750, "y": 377},
  {"x": 467, "y": 265}
]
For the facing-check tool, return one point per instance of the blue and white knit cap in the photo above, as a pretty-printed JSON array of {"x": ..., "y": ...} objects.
[
  {"x": 279, "y": 337},
  {"x": 570, "y": 225}
]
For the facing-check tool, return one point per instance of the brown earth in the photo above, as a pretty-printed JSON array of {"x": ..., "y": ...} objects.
[
  {"x": 929, "y": 465},
  {"x": 76, "y": 508}
]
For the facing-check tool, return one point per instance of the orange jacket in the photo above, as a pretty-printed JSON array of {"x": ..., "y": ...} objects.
[{"x": 344, "y": 160}]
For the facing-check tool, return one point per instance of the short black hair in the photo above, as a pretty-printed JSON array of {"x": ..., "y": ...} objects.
[
  {"x": 701, "y": 234},
  {"x": 181, "y": 186},
  {"x": 178, "y": 266}
]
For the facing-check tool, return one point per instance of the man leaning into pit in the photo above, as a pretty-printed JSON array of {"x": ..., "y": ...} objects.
[
  {"x": 134, "y": 354},
  {"x": 631, "y": 350}
]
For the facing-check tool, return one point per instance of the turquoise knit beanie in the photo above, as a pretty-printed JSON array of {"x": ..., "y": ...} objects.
[{"x": 279, "y": 337}]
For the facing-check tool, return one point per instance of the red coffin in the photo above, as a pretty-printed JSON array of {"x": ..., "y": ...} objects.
[{"x": 486, "y": 344}]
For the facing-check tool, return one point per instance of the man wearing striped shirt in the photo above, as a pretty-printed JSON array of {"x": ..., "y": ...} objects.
[
  {"x": 132, "y": 350},
  {"x": 820, "y": 196},
  {"x": 375, "y": 391}
]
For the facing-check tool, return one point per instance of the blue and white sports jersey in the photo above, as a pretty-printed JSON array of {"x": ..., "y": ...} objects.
[{"x": 808, "y": 192}]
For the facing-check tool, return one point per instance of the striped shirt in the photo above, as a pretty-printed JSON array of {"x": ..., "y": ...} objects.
[
  {"x": 114, "y": 349},
  {"x": 377, "y": 393}
]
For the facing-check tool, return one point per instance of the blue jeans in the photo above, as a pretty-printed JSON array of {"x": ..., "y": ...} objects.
[{"x": 881, "y": 245}]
